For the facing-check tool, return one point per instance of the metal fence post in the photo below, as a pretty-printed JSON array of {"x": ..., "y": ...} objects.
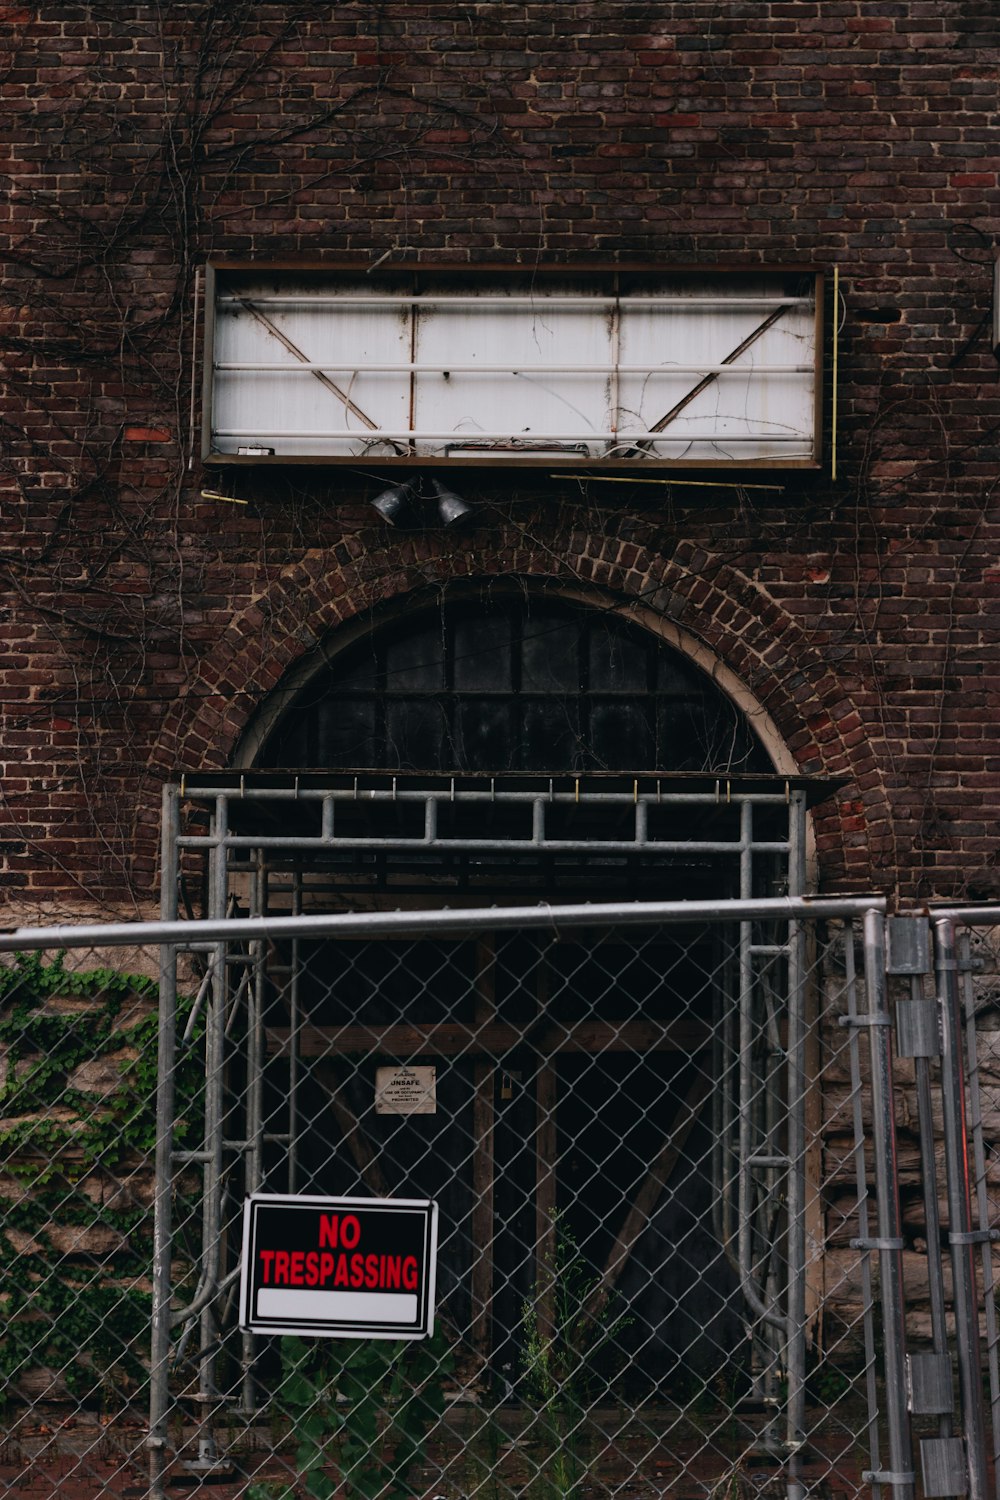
[
  {"x": 162, "y": 1227},
  {"x": 852, "y": 1021},
  {"x": 796, "y": 1085},
  {"x": 962, "y": 1238},
  {"x": 889, "y": 1243},
  {"x": 989, "y": 1288},
  {"x": 159, "y": 1375}
]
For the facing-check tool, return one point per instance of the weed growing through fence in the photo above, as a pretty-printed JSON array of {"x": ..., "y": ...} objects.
[
  {"x": 558, "y": 1360},
  {"x": 363, "y": 1407},
  {"x": 483, "y": 1455}
]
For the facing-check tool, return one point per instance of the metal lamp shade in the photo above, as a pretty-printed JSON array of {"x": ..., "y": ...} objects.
[
  {"x": 395, "y": 505},
  {"x": 452, "y": 509}
]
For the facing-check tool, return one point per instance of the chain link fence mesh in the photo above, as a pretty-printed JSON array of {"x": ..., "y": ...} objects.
[
  {"x": 77, "y": 1133},
  {"x": 651, "y": 1149}
]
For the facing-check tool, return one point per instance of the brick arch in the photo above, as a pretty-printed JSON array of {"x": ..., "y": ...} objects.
[{"x": 688, "y": 595}]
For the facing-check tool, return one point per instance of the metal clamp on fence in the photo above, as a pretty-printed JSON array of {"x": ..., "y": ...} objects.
[
  {"x": 877, "y": 1244},
  {"x": 974, "y": 1237}
]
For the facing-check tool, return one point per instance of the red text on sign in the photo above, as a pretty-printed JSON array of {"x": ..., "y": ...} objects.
[
  {"x": 321, "y": 1268},
  {"x": 336, "y": 1233}
]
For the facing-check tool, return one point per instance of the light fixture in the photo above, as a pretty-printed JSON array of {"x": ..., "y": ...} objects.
[
  {"x": 395, "y": 505},
  {"x": 452, "y": 509},
  {"x": 418, "y": 505}
]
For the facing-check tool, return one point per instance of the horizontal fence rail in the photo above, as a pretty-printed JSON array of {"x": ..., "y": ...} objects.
[{"x": 359, "y": 924}]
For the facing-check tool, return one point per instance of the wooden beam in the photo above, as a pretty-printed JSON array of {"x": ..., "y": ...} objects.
[
  {"x": 365, "y": 1157},
  {"x": 491, "y": 1039},
  {"x": 645, "y": 1202}
]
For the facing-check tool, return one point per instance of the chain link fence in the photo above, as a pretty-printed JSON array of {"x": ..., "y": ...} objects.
[{"x": 684, "y": 1232}]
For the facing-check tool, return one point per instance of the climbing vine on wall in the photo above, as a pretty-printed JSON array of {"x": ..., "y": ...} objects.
[
  {"x": 77, "y": 1132},
  {"x": 176, "y": 132}
]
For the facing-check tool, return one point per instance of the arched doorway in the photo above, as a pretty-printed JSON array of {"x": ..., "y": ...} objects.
[{"x": 505, "y": 747}]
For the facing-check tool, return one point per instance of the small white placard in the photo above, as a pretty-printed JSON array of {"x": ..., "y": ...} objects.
[{"x": 406, "y": 1091}]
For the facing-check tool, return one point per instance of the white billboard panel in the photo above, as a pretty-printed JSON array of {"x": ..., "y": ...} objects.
[{"x": 656, "y": 367}]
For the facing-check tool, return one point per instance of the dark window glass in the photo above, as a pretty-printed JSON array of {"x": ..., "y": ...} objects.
[
  {"x": 359, "y": 675},
  {"x": 550, "y": 659},
  {"x": 483, "y": 735},
  {"x": 550, "y": 735},
  {"x": 414, "y": 663},
  {"x": 513, "y": 684},
  {"x": 287, "y": 746},
  {"x": 618, "y": 663},
  {"x": 482, "y": 654},
  {"x": 673, "y": 675},
  {"x": 346, "y": 733},
  {"x": 415, "y": 731},
  {"x": 695, "y": 737},
  {"x": 620, "y": 738}
]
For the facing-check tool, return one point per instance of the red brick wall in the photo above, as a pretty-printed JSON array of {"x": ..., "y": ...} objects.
[{"x": 142, "y": 624}]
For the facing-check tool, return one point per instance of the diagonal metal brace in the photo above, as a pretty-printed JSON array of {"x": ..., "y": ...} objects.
[
  {"x": 320, "y": 375},
  {"x": 708, "y": 380}
]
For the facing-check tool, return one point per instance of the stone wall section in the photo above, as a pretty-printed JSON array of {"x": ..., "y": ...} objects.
[{"x": 838, "y": 1192}]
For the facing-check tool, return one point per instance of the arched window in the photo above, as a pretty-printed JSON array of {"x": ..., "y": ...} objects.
[{"x": 512, "y": 684}]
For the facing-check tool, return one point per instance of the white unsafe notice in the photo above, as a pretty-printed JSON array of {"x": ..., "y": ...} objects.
[{"x": 405, "y": 1091}]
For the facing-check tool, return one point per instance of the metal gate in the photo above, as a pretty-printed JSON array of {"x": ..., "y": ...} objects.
[{"x": 688, "y": 1158}]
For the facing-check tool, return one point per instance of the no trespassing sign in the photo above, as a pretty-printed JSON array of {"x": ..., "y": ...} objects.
[{"x": 338, "y": 1267}]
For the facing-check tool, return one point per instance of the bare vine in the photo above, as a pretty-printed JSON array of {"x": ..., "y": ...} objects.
[{"x": 120, "y": 188}]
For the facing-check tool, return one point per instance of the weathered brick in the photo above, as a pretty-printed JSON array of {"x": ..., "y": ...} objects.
[{"x": 144, "y": 624}]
